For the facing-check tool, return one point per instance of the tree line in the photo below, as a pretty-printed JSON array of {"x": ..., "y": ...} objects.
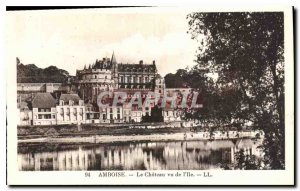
[{"x": 240, "y": 73}]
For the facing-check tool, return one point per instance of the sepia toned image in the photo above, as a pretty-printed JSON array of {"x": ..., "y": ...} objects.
[{"x": 140, "y": 92}]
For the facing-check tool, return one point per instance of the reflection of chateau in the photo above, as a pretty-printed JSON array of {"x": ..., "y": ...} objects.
[
  {"x": 141, "y": 156},
  {"x": 102, "y": 76}
]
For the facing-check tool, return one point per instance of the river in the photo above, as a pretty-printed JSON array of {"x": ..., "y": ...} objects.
[{"x": 167, "y": 155}]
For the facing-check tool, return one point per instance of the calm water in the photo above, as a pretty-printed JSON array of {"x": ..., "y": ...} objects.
[{"x": 179, "y": 155}]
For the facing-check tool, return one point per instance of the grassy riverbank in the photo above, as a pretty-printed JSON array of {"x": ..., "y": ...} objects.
[
  {"x": 30, "y": 132},
  {"x": 120, "y": 133}
]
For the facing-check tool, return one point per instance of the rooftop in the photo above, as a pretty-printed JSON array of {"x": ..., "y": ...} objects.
[
  {"x": 137, "y": 67},
  {"x": 43, "y": 100},
  {"x": 67, "y": 97}
]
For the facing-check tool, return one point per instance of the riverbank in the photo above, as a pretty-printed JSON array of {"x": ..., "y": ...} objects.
[{"x": 181, "y": 136}]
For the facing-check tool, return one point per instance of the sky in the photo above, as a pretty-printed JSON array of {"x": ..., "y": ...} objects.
[{"x": 70, "y": 39}]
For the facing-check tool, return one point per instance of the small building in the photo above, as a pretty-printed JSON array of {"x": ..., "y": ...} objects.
[
  {"x": 137, "y": 114},
  {"x": 70, "y": 110},
  {"x": 92, "y": 114},
  {"x": 43, "y": 109},
  {"x": 127, "y": 115},
  {"x": 25, "y": 114},
  {"x": 115, "y": 114}
]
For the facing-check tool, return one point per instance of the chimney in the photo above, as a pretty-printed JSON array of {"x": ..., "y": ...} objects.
[
  {"x": 141, "y": 61},
  {"x": 153, "y": 62}
]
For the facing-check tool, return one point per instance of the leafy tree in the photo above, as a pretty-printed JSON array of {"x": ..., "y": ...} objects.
[
  {"x": 177, "y": 80},
  {"x": 246, "y": 50}
]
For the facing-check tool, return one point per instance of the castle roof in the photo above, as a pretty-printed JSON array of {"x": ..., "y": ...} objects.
[
  {"x": 102, "y": 64},
  {"x": 137, "y": 68},
  {"x": 43, "y": 100}
]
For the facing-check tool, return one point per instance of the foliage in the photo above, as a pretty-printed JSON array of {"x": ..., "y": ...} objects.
[
  {"x": 156, "y": 115},
  {"x": 177, "y": 80},
  {"x": 30, "y": 73},
  {"x": 245, "y": 50},
  {"x": 246, "y": 161}
]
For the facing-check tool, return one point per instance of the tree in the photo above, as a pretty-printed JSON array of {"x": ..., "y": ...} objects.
[
  {"x": 246, "y": 50},
  {"x": 246, "y": 161},
  {"x": 156, "y": 115},
  {"x": 30, "y": 73}
]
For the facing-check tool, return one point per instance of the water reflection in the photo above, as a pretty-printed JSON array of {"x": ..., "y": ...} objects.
[{"x": 180, "y": 155}]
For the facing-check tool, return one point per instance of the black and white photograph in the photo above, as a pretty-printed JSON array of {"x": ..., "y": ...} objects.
[{"x": 175, "y": 96}]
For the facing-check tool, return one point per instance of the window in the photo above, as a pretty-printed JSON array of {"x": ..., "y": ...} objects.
[
  {"x": 146, "y": 79},
  {"x": 134, "y": 79},
  {"x": 47, "y": 116},
  {"x": 122, "y": 79},
  {"x": 40, "y": 116},
  {"x": 95, "y": 76},
  {"x": 105, "y": 77},
  {"x": 111, "y": 110},
  {"x": 104, "y": 116},
  {"x": 140, "y": 80},
  {"x": 53, "y": 116},
  {"x": 44, "y": 109},
  {"x": 129, "y": 79},
  {"x": 118, "y": 116},
  {"x": 118, "y": 110},
  {"x": 111, "y": 116}
]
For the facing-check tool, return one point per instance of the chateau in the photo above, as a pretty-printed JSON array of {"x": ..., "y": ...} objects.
[{"x": 76, "y": 102}]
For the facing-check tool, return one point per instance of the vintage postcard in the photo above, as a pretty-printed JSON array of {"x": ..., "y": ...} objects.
[{"x": 150, "y": 96}]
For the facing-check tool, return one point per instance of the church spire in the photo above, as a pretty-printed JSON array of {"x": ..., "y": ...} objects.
[{"x": 113, "y": 58}]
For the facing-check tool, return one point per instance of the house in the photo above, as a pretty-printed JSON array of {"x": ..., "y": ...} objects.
[
  {"x": 92, "y": 114},
  {"x": 70, "y": 110},
  {"x": 115, "y": 114},
  {"x": 43, "y": 109}
]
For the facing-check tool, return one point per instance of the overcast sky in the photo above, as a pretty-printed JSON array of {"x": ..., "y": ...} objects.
[{"x": 70, "y": 39}]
